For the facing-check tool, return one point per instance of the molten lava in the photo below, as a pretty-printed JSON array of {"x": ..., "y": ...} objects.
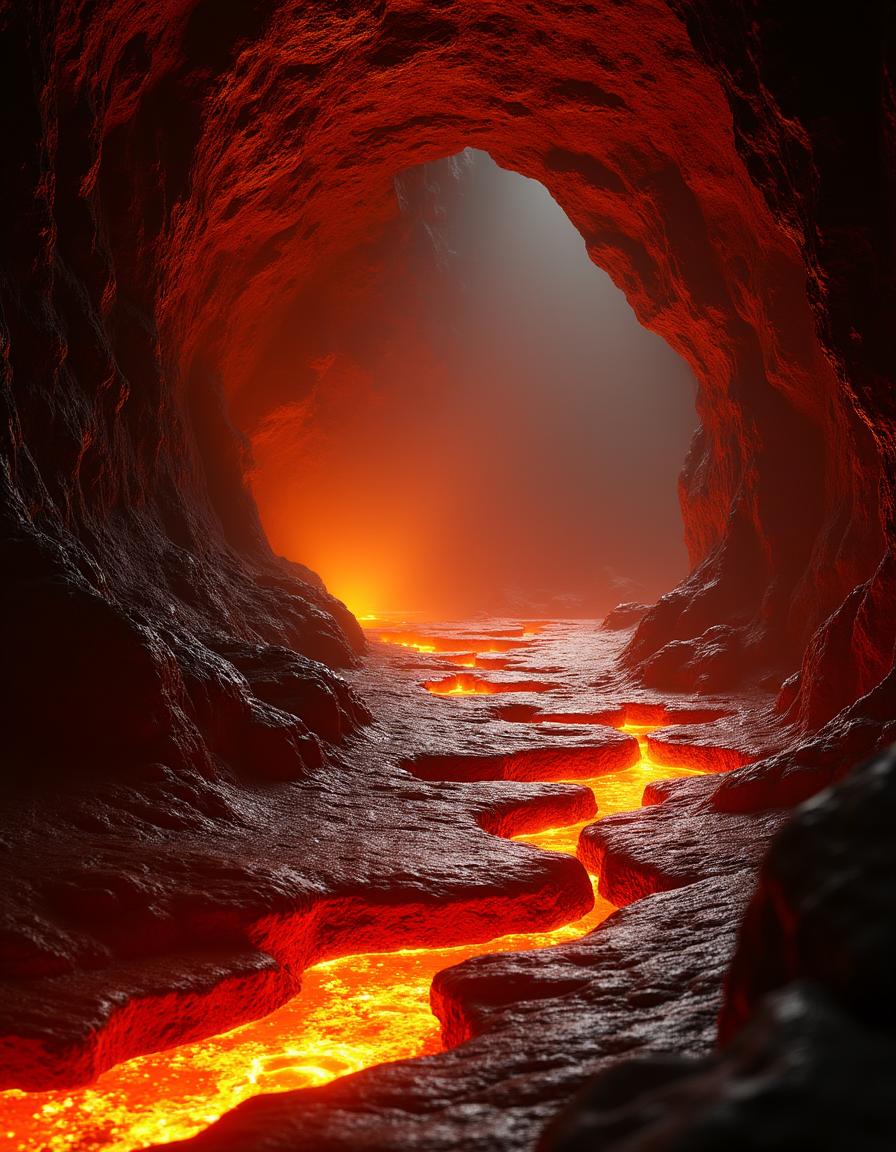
[
  {"x": 352, "y": 1013},
  {"x": 462, "y": 685},
  {"x": 466, "y": 685},
  {"x": 506, "y": 641},
  {"x": 413, "y": 644}
]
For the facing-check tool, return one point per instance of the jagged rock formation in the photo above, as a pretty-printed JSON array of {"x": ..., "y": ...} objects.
[
  {"x": 177, "y": 174},
  {"x": 783, "y": 1084},
  {"x": 806, "y": 1021}
]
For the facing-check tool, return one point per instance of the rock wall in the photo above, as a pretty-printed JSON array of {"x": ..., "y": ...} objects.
[
  {"x": 131, "y": 551},
  {"x": 822, "y": 155},
  {"x": 635, "y": 138},
  {"x": 182, "y": 175}
]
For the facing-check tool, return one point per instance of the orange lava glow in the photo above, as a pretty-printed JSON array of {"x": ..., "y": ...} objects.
[
  {"x": 413, "y": 644},
  {"x": 352, "y": 1013},
  {"x": 462, "y": 659},
  {"x": 465, "y": 684},
  {"x": 463, "y": 645},
  {"x": 462, "y": 685}
]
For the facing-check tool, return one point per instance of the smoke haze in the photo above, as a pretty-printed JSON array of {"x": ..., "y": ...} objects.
[{"x": 485, "y": 426}]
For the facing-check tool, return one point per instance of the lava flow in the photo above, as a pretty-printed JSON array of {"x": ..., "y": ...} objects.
[
  {"x": 462, "y": 685},
  {"x": 352, "y": 1013},
  {"x": 465, "y": 684}
]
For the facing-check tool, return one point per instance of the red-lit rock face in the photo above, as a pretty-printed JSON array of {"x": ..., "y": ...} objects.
[
  {"x": 213, "y": 170},
  {"x": 633, "y": 136}
]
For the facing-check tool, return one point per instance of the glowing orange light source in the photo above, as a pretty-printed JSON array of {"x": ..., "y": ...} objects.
[
  {"x": 454, "y": 645},
  {"x": 464, "y": 684},
  {"x": 461, "y": 685}
]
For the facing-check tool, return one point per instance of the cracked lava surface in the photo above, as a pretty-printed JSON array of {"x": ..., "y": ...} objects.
[{"x": 353, "y": 1012}]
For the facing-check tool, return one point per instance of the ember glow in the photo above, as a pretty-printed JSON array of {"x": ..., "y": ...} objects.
[
  {"x": 417, "y": 647},
  {"x": 509, "y": 640},
  {"x": 352, "y": 1013},
  {"x": 465, "y": 684},
  {"x": 462, "y": 685}
]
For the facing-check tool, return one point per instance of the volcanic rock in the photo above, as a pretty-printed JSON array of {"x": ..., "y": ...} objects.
[{"x": 802, "y": 1074}]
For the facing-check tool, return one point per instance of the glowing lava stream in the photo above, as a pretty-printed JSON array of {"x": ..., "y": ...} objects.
[{"x": 352, "y": 1013}]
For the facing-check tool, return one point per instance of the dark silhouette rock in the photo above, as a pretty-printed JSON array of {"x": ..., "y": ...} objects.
[
  {"x": 802, "y": 1074},
  {"x": 825, "y": 908}
]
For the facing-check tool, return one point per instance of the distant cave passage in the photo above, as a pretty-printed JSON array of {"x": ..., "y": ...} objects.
[
  {"x": 291, "y": 212},
  {"x": 482, "y": 425}
]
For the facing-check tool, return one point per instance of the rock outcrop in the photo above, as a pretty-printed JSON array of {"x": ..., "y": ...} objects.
[{"x": 807, "y": 1022}]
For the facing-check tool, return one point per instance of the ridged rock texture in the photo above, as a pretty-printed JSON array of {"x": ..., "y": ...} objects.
[
  {"x": 180, "y": 177},
  {"x": 806, "y": 1021},
  {"x": 181, "y": 174},
  {"x": 184, "y": 174}
]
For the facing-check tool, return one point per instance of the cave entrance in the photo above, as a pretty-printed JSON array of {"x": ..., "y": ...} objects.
[{"x": 480, "y": 422}]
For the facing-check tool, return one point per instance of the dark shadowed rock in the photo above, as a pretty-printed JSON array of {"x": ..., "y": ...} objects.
[
  {"x": 293, "y": 683},
  {"x": 801, "y": 1075},
  {"x": 825, "y": 904}
]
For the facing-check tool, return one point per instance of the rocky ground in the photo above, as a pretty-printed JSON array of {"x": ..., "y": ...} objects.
[
  {"x": 619, "y": 1030},
  {"x": 169, "y": 930},
  {"x": 531, "y": 1027}
]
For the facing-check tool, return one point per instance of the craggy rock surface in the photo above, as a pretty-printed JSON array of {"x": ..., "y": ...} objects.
[
  {"x": 785, "y": 779},
  {"x": 183, "y": 180},
  {"x": 801, "y": 1075},
  {"x": 152, "y": 907},
  {"x": 179, "y": 176},
  {"x": 825, "y": 907},
  {"x": 644, "y": 990},
  {"x": 532, "y": 1026},
  {"x": 807, "y": 1022},
  {"x": 624, "y": 616},
  {"x": 677, "y": 842},
  {"x": 807, "y": 1060}
]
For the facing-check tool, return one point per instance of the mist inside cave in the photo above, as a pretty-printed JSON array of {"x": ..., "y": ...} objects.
[{"x": 489, "y": 428}]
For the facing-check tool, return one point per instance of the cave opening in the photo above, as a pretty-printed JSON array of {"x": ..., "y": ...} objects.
[{"x": 517, "y": 435}]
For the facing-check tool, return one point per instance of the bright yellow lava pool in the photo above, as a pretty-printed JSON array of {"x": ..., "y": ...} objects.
[{"x": 352, "y": 1013}]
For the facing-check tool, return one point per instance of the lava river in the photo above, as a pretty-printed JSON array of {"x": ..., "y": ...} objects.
[{"x": 352, "y": 1013}]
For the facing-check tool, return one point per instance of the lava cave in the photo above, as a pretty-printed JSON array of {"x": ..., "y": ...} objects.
[{"x": 524, "y": 869}]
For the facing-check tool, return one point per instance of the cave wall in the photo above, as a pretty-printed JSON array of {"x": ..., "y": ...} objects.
[
  {"x": 823, "y": 156},
  {"x": 182, "y": 173},
  {"x": 131, "y": 550},
  {"x": 636, "y": 142}
]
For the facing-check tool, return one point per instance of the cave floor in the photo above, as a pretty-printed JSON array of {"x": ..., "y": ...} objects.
[{"x": 490, "y": 739}]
